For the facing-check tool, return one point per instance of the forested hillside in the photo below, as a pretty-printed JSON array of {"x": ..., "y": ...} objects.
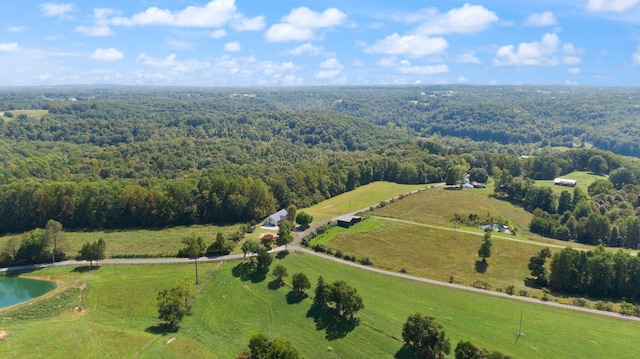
[{"x": 119, "y": 157}]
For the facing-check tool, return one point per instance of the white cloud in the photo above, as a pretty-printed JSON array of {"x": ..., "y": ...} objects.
[
  {"x": 301, "y": 23},
  {"x": 405, "y": 66},
  {"x": 95, "y": 30},
  {"x": 468, "y": 58},
  {"x": 423, "y": 70},
  {"x": 215, "y": 13},
  {"x": 17, "y": 28},
  {"x": 465, "y": 20},
  {"x": 218, "y": 33},
  {"x": 545, "y": 18},
  {"x": 409, "y": 45},
  {"x": 9, "y": 47},
  {"x": 101, "y": 23},
  {"x": 618, "y": 6},
  {"x": 254, "y": 24},
  {"x": 60, "y": 10},
  {"x": 307, "y": 48},
  {"x": 332, "y": 68},
  {"x": 232, "y": 46},
  {"x": 45, "y": 76},
  {"x": 171, "y": 64},
  {"x": 109, "y": 54},
  {"x": 463, "y": 79},
  {"x": 574, "y": 70},
  {"x": 358, "y": 63},
  {"x": 538, "y": 53},
  {"x": 635, "y": 57}
]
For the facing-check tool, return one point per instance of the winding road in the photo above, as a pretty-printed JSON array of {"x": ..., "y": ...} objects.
[{"x": 295, "y": 246}]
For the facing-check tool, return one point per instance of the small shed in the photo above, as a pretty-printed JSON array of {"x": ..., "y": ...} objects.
[
  {"x": 565, "y": 182},
  {"x": 274, "y": 219},
  {"x": 347, "y": 221}
]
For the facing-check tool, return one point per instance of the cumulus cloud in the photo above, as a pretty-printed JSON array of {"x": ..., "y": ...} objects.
[
  {"x": 465, "y": 20},
  {"x": 405, "y": 66},
  {"x": 172, "y": 64},
  {"x": 635, "y": 57},
  {"x": 574, "y": 70},
  {"x": 215, "y": 13},
  {"x": 409, "y": 45},
  {"x": 232, "y": 46},
  {"x": 302, "y": 23},
  {"x": 109, "y": 54},
  {"x": 545, "y": 18},
  {"x": 59, "y": 10},
  {"x": 9, "y": 47},
  {"x": 546, "y": 52},
  {"x": 618, "y": 6},
  {"x": 306, "y": 48},
  {"x": 332, "y": 68},
  {"x": 101, "y": 23},
  {"x": 468, "y": 58}
]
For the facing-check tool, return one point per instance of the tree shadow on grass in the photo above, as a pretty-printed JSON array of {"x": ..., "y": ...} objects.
[
  {"x": 294, "y": 297},
  {"x": 404, "y": 353},
  {"x": 481, "y": 266},
  {"x": 84, "y": 269},
  {"x": 162, "y": 329},
  {"x": 275, "y": 284},
  {"x": 282, "y": 255},
  {"x": 335, "y": 325},
  {"x": 243, "y": 270}
]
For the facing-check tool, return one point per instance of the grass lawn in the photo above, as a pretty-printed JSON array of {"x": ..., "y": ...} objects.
[
  {"x": 120, "y": 317},
  {"x": 584, "y": 180},
  {"x": 360, "y": 198}
]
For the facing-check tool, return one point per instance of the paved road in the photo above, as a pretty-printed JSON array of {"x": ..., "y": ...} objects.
[{"x": 295, "y": 246}]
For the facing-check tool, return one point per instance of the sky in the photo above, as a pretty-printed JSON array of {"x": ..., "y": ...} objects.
[{"x": 322, "y": 42}]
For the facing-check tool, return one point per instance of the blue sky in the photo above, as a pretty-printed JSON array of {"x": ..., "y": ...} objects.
[{"x": 322, "y": 42}]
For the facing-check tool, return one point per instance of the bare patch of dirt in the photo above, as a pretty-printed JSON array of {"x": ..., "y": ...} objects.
[{"x": 3, "y": 334}]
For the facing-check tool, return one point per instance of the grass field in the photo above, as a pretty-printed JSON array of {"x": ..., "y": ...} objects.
[
  {"x": 36, "y": 114},
  {"x": 584, "y": 180},
  {"x": 361, "y": 198},
  {"x": 120, "y": 317},
  {"x": 141, "y": 242}
]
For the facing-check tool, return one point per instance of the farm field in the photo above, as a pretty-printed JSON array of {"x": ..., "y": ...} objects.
[
  {"x": 584, "y": 180},
  {"x": 360, "y": 198},
  {"x": 119, "y": 319},
  {"x": 35, "y": 114}
]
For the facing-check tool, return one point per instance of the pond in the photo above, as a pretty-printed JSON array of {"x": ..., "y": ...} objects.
[{"x": 14, "y": 290}]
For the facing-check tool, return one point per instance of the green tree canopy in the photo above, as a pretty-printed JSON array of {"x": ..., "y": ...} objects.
[{"x": 424, "y": 336}]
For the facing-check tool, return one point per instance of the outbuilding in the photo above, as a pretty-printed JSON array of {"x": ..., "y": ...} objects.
[
  {"x": 274, "y": 219},
  {"x": 347, "y": 221}
]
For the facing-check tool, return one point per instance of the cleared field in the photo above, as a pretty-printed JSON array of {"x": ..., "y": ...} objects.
[
  {"x": 584, "y": 180},
  {"x": 141, "y": 242},
  {"x": 119, "y": 319},
  {"x": 360, "y": 198},
  {"x": 36, "y": 114}
]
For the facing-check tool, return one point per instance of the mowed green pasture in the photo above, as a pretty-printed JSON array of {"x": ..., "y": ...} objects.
[
  {"x": 360, "y": 198},
  {"x": 36, "y": 114},
  {"x": 140, "y": 242},
  {"x": 119, "y": 319},
  {"x": 584, "y": 180},
  {"x": 439, "y": 254}
]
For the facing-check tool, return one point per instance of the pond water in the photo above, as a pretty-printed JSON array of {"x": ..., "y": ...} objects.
[{"x": 14, "y": 290}]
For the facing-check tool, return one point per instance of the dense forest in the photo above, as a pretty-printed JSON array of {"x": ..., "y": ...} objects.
[{"x": 123, "y": 157}]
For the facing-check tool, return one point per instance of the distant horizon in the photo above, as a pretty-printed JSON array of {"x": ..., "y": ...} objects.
[{"x": 244, "y": 43}]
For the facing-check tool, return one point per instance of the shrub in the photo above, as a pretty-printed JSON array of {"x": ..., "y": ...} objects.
[
  {"x": 365, "y": 261},
  {"x": 510, "y": 289},
  {"x": 606, "y": 306},
  {"x": 523, "y": 293},
  {"x": 403, "y": 270},
  {"x": 580, "y": 302},
  {"x": 339, "y": 254}
]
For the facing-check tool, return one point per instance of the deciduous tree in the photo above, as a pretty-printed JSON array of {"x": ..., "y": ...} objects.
[{"x": 425, "y": 337}]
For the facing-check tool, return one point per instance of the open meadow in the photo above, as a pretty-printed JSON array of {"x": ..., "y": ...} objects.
[
  {"x": 35, "y": 114},
  {"x": 119, "y": 316},
  {"x": 584, "y": 180}
]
